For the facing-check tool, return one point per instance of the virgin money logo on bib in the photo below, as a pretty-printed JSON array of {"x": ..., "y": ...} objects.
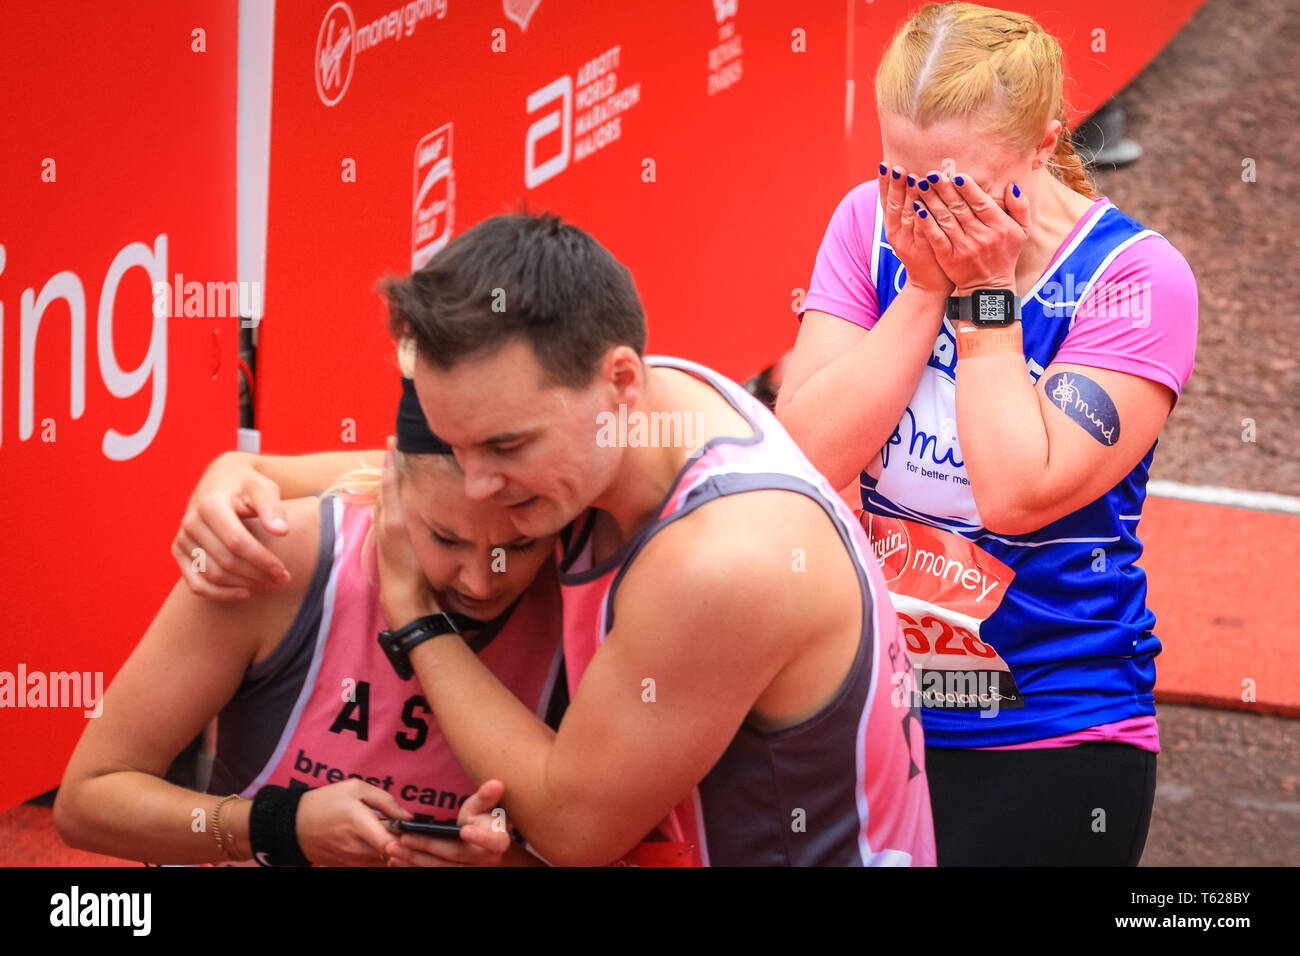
[
  {"x": 891, "y": 544},
  {"x": 937, "y": 566},
  {"x": 943, "y": 588}
]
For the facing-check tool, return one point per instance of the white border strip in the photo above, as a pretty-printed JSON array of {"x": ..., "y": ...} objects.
[
  {"x": 1233, "y": 497},
  {"x": 256, "y": 49}
]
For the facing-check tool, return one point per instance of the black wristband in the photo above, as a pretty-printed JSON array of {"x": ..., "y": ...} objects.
[{"x": 272, "y": 828}]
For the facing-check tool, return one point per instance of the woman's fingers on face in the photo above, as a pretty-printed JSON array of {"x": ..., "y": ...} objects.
[
  {"x": 981, "y": 205},
  {"x": 882, "y": 179},
  {"x": 934, "y": 198},
  {"x": 891, "y": 195},
  {"x": 1017, "y": 205},
  {"x": 946, "y": 196},
  {"x": 912, "y": 201},
  {"x": 929, "y": 230}
]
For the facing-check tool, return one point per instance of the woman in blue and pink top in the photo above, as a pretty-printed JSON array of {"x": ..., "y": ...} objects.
[{"x": 1001, "y": 467}]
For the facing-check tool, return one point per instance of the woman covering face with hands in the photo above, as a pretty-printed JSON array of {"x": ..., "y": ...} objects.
[
  {"x": 992, "y": 350},
  {"x": 973, "y": 241}
]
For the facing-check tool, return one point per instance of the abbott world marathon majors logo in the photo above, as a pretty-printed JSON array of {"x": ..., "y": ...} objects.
[
  {"x": 599, "y": 97},
  {"x": 340, "y": 40},
  {"x": 435, "y": 193}
]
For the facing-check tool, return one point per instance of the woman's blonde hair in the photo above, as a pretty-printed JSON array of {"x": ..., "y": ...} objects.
[
  {"x": 956, "y": 60},
  {"x": 362, "y": 484}
]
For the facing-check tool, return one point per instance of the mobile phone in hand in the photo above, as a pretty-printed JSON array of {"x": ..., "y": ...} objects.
[{"x": 445, "y": 829}]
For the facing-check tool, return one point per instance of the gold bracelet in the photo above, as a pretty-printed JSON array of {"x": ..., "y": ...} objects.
[
  {"x": 974, "y": 341},
  {"x": 226, "y": 844}
]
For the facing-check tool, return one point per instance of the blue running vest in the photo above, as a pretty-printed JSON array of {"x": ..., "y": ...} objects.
[{"x": 1016, "y": 638}]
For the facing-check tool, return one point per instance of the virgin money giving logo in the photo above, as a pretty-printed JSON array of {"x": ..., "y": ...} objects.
[
  {"x": 340, "y": 41},
  {"x": 335, "y": 53}
]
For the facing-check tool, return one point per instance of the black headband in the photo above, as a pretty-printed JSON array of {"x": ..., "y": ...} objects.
[{"x": 413, "y": 435}]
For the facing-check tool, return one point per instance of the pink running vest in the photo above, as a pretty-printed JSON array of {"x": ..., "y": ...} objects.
[
  {"x": 845, "y": 787},
  {"x": 326, "y": 705}
]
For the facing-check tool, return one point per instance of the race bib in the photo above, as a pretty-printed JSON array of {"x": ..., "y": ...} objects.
[{"x": 943, "y": 588}]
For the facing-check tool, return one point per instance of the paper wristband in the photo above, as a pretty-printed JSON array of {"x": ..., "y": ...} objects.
[{"x": 974, "y": 342}]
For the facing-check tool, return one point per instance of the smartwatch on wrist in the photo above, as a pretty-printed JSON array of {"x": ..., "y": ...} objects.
[
  {"x": 397, "y": 644},
  {"x": 985, "y": 307}
]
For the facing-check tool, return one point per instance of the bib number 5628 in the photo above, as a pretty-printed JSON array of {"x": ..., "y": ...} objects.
[{"x": 921, "y": 641}]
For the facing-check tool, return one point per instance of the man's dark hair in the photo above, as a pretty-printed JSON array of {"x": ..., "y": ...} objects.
[{"x": 520, "y": 276}]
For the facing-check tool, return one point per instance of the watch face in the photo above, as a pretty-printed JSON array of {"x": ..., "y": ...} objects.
[{"x": 993, "y": 306}]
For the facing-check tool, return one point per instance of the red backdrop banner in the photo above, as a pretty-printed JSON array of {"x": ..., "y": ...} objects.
[{"x": 118, "y": 172}]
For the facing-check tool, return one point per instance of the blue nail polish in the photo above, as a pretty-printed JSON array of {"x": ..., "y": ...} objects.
[
  {"x": 923, "y": 185},
  {"x": 911, "y": 181},
  {"x": 959, "y": 180},
  {"x": 897, "y": 174},
  {"x": 883, "y": 169},
  {"x": 1015, "y": 190},
  {"x": 916, "y": 206},
  {"x": 923, "y": 214},
  {"x": 933, "y": 177}
]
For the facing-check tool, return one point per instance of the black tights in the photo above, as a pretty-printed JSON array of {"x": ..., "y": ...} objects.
[{"x": 1041, "y": 807}]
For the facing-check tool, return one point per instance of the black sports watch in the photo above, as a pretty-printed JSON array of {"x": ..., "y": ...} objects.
[
  {"x": 397, "y": 644},
  {"x": 985, "y": 307}
]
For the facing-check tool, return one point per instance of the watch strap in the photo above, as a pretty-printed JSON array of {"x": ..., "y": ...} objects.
[
  {"x": 961, "y": 308},
  {"x": 397, "y": 644}
]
